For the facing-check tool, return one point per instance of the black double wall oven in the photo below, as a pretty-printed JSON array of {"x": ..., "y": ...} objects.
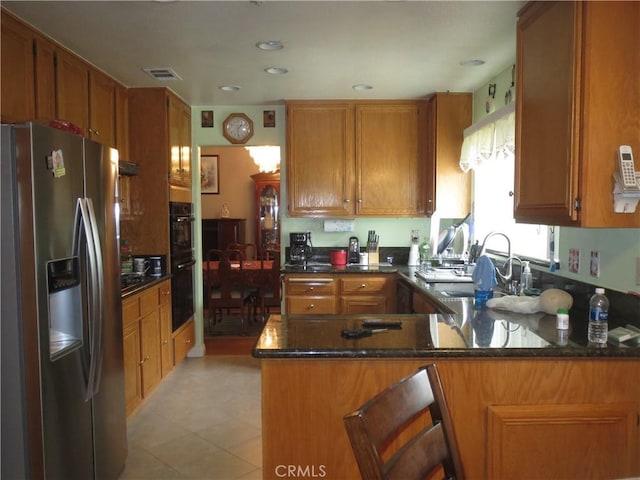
[{"x": 182, "y": 261}]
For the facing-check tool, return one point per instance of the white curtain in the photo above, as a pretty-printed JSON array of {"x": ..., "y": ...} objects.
[{"x": 491, "y": 137}]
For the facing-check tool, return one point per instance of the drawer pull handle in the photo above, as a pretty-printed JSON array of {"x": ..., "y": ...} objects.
[
  {"x": 311, "y": 306},
  {"x": 364, "y": 285},
  {"x": 310, "y": 289}
]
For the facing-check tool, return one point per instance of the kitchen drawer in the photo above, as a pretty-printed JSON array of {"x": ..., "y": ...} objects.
[
  {"x": 130, "y": 311},
  {"x": 310, "y": 285},
  {"x": 362, "y": 284},
  {"x": 304, "y": 305},
  {"x": 149, "y": 301}
]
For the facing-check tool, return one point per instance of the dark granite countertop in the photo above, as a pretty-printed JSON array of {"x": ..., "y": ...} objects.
[
  {"x": 148, "y": 282},
  {"x": 459, "y": 331},
  {"x": 322, "y": 267}
]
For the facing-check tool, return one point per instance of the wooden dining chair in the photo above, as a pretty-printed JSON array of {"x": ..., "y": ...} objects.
[
  {"x": 227, "y": 284},
  {"x": 373, "y": 427},
  {"x": 248, "y": 250},
  {"x": 269, "y": 293}
]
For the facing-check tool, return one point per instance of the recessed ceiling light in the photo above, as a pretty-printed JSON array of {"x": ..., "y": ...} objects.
[
  {"x": 270, "y": 45},
  {"x": 474, "y": 62},
  {"x": 362, "y": 86},
  {"x": 229, "y": 88},
  {"x": 276, "y": 70}
]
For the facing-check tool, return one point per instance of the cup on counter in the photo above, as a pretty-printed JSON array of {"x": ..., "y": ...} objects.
[
  {"x": 364, "y": 258},
  {"x": 140, "y": 265},
  {"x": 481, "y": 297},
  {"x": 155, "y": 266},
  {"x": 338, "y": 257}
]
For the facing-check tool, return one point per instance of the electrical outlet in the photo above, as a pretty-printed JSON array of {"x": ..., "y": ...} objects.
[
  {"x": 574, "y": 260},
  {"x": 594, "y": 267}
]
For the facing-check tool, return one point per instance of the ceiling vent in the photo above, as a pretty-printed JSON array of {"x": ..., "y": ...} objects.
[{"x": 164, "y": 74}]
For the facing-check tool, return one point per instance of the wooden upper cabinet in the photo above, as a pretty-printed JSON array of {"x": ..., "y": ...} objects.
[
  {"x": 17, "y": 71},
  {"x": 102, "y": 105},
  {"x": 349, "y": 159},
  {"x": 122, "y": 123},
  {"x": 45, "y": 79},
  {"x": 448, "y": 187},
  {"x": 72, "y": 90},
  {"x": 179, "y": 117},
  {"x": 320, "y": 159},
  {"x": 578, "y": 99},
  {"x": 390, "y": 170}
]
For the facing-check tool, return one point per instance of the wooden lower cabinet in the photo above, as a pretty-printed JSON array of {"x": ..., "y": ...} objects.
[
  {"x": 339, "y": 293},
  {"x": 310, "y": 294},
  {"x": 514, "y": 418},
  {"x": 423, "y": 304},
  {"x": 166, "y": 330},
  {"x": 146, "y": 317},
  {"x": 367, "y": 293}
]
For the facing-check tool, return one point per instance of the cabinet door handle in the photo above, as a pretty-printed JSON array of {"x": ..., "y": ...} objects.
[
  {"x": 147, "y": 357},
  {"x": 188, "y": 341},
  {"x": 165, "y": 342}
]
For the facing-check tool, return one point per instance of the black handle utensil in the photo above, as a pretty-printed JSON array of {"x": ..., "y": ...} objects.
[{"x": 361, "y": 332}]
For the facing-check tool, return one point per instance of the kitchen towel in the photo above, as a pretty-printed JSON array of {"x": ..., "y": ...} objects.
[{"x": 484, "y": 275}]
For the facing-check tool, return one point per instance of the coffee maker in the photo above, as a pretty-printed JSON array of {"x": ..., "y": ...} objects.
[
  {"x": 354, "y": 250},
  {"x": 300, "y": 248}
]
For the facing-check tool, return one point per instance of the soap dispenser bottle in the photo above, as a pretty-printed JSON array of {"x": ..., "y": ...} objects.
[
  {"x": 526, "y": 281},
  {"x": 414, "y": 256}
]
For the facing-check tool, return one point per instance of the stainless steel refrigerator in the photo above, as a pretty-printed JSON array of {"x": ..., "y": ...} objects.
[{"x": 63, "y": 407}]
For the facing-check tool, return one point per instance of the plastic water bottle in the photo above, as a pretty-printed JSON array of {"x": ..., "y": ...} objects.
[{"x": 598, "y": 317}]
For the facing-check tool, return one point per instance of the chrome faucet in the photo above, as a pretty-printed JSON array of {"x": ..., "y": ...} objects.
[{"x": 508, "y": 267}]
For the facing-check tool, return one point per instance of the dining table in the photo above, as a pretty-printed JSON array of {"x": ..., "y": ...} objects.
[{"x": 251, "y": 270}]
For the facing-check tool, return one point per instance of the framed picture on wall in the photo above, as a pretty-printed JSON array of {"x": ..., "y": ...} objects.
[
  {"x": 206, "y": 118},
  {"x": 209, "y": 174}
]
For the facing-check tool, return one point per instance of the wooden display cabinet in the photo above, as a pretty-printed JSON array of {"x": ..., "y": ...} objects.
[
  {"x": 267, "y": 208},
  {"x": 220, "y": 232}
]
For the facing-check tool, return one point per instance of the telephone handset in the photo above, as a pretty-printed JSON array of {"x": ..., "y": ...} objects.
[{"x": 626, "y": 174}]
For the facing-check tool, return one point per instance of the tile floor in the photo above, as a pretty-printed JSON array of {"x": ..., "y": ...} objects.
[{"x": 203, "y": 422}]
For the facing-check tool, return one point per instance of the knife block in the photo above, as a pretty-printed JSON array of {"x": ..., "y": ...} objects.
[{"x": 374, "y": 257}]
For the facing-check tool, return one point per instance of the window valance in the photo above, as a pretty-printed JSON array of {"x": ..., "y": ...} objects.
[{"x": 488, "y": 138}]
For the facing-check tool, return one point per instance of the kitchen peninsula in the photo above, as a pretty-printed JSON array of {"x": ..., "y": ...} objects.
[{"x": 516, "y": 403}]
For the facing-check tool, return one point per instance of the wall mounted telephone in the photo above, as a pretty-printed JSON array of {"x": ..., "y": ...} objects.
[
  {"x": 626, "y": 192},
  {"x": 626, "y": 174}
]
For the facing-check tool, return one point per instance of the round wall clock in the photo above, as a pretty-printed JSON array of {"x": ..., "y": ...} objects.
[{"x": 237, "y": 128}]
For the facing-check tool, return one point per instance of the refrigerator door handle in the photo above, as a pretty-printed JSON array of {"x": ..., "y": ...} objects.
[
  {"x": 96, "y": 355},
  {"x": 95, "y": 290}
]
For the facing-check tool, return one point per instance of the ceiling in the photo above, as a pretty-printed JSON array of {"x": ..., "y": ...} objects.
[{"x": 403, "y": 49}]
